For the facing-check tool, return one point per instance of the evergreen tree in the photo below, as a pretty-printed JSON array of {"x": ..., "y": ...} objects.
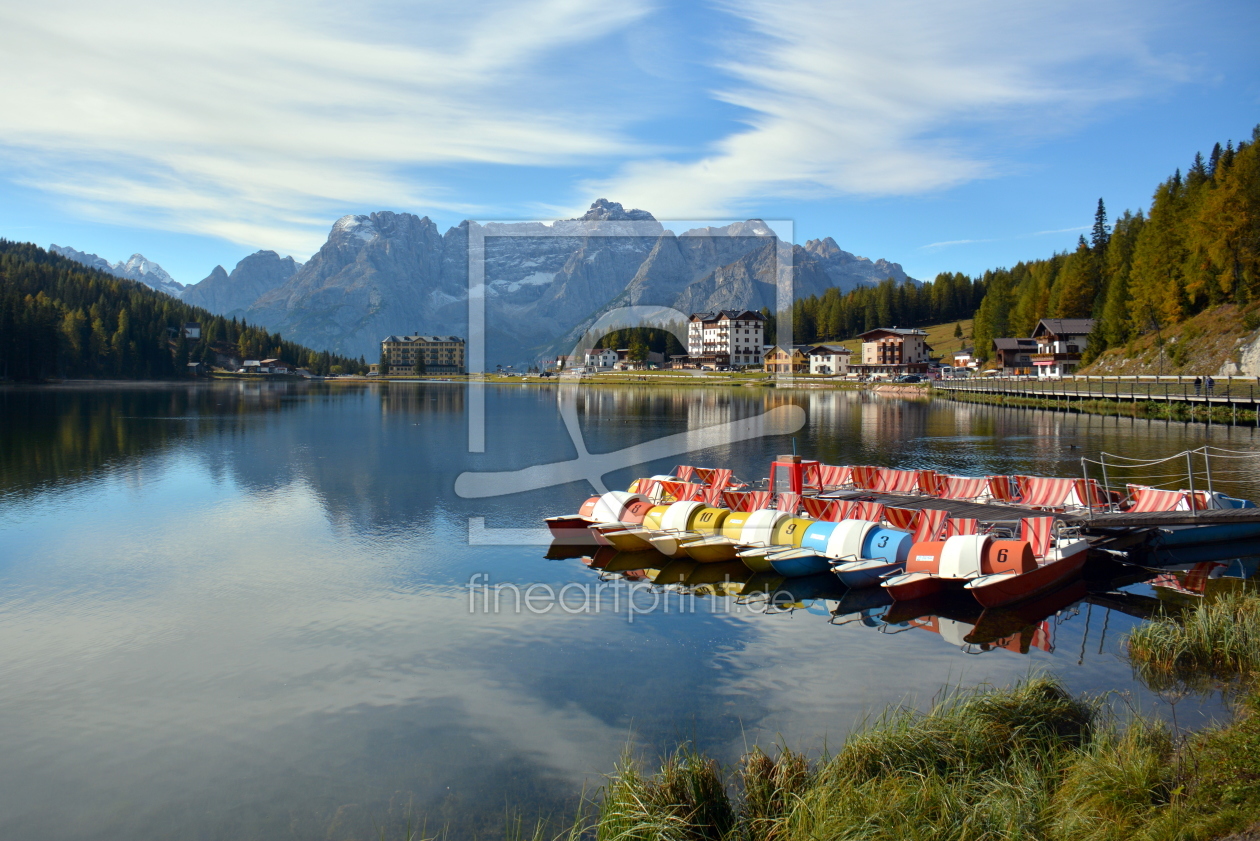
[
  {"x": 181, "y": 354},
  {"x": 1101, "y": 233}
]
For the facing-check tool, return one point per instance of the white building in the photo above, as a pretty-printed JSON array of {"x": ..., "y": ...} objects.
[
  {"x": 829, "y": 360},
  {"x": 728, "y": 337},
  {"x": 1060, "y": 342},
  {"x": 600, "y": 358}
]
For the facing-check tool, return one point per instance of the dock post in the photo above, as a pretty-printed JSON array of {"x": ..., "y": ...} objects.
[
  {"x": 1207, "y": 465},
  {"x": 1089, "y": 509},
  {"x": 1194, "y": 509},
  {"x": 1102, "y": 459}
]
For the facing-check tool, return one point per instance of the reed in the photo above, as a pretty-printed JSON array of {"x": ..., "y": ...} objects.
[
  {"x": 1025, "y": 762},
  {"x": 1213, "y": 646},
  {"x": 772, "y": 787},
  {"x": 686, "y": 800}
]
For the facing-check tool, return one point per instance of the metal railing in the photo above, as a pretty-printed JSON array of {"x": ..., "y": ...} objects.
[
  {"x": 1224, "y": 390},
  {"x": 1168, "y": 474}
]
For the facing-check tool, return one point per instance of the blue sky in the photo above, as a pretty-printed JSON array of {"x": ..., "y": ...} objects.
[{"x": 945, "y": 136}]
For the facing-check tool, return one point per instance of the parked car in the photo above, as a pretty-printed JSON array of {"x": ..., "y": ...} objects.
[{"x": 909, "y": 378}]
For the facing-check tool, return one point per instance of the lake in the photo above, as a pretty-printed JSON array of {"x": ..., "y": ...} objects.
[{"x": 243, "y": 610}]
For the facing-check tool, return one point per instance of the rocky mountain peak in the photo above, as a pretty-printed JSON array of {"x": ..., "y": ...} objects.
[
  {"x": 148, "y": 272},
  {"x": 823, "y": 248},
  {"x": 352, "y": 225},
  {"x": 253, "y": 276},
  {"x": 603, "y": 210},
  {"x": 137, "y": 268}
]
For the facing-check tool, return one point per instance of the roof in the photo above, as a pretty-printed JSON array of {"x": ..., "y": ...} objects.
[
  {"x": 1013, "y": 344},
  {"x": 829, "y": 349},
  {"x": 732, "y": 315},
  {"x": 418, "y": 338},
  {"x": 1064, "y": 327},
  {"x": 896, "y": 331}
]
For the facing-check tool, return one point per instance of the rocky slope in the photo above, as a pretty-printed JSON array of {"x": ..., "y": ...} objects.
[{"x": 253, "y": 277}]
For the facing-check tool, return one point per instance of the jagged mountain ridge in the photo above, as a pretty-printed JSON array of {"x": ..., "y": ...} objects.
[
  {"x": 388, "y": 272},
  {"x": 253, "y": 277},
  {"x": 137, "y": 268}
]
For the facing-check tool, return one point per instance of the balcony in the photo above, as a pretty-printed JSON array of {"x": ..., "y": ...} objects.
[{"x": 1054, "y": 358}]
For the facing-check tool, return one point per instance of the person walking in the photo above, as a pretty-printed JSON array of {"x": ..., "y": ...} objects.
[
  {"x": 1211, "y": 385},
  {"x": 1198, "y": 386}
]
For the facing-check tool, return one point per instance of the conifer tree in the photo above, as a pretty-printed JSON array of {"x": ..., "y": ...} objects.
[{"x": 1101, "y": 233}]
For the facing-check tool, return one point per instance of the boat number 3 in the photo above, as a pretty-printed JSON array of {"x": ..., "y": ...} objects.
[{"x": 883, "y": 542}]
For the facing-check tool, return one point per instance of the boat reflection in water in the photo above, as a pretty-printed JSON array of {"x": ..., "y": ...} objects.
[{"x": 1162, "y": 584}]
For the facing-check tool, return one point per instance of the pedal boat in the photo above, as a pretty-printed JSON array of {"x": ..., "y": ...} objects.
[
  {"x": 754, "y": 557},
  {"x": 797, "y": 563},
  {"x": 936, "y": 566},
  {"x": 624, "y": 538},
  {"x": 669, "y": 543},
  {"x": 866, "y": 572},
  {"x": 1061, "y": 564},
  {"x": 572, "y": 530},
  {"x": 711, "y": 549}
]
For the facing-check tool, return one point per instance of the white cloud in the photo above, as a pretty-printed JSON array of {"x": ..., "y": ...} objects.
[
  {"x": 900, "y": 97},
  {"x": 952, "y": 242},
  {"x": 248, "y": 120}
]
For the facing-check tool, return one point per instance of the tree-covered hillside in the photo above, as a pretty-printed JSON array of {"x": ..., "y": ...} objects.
[
  {"x": 835, "y": 316},
  {"x": 59, "y": 318},
  {"x": 1198, "y": 246}
]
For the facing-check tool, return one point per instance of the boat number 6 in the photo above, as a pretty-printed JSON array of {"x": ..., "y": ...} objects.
[{"x": 1002, "y": 555}]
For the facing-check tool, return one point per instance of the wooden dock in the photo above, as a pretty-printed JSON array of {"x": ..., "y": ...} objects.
[{"x": 1119, "y": 531}]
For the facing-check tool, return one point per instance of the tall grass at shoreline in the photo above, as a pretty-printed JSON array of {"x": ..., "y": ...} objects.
[
  {"x": 1027, "y": 762},
  {"x": 1217, "y": 643}
]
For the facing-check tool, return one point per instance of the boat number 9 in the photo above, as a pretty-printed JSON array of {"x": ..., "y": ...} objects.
[
  {"x": 1002, "y": 555},
  {"x": 883, "y": 541}
]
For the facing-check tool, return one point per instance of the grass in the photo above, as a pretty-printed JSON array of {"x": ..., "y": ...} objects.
[
  {"x": 1216, "y": 645},
  {"x": 1201, "y": 344},
  {"x": 1024, "y": 762}
]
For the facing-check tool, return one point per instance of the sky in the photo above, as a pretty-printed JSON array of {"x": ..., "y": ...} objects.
[{"x": 953, "y": 136}]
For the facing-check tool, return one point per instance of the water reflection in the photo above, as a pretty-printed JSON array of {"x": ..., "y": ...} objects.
[
  {"x": 958, "y": 621},
  {"x": 241, "y": 610}
]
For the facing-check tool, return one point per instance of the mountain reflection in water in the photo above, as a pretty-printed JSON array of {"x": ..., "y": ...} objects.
[{"x": 242, "y": 610}]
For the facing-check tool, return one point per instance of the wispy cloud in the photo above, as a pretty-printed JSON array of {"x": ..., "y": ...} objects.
[
  {"x": 950, "y": 242},
  {"x": 932, "y": 246},
  {"x": 895, "y": 97},
  {"x": 1062, "y": 231},
  {"x": 248, "y": 120}
]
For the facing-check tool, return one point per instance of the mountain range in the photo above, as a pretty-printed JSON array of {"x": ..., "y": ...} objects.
[
  {"x": 545, "y": 284},
  {"x": 137, "y": 268}
]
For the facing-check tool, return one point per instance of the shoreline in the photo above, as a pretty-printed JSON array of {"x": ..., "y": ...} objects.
[{"x": 1139, "y": 410}]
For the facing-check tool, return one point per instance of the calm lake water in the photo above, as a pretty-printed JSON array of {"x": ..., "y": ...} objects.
[{"x": 242, "y": 610}]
